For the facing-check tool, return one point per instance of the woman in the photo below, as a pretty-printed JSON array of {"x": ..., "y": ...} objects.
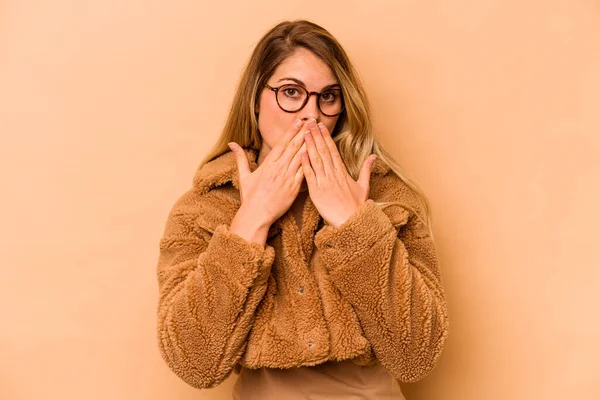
[{"x": 298, "y": 259}]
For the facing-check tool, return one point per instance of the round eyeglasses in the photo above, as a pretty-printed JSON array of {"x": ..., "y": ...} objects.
[{"x": 292, "y": 98}]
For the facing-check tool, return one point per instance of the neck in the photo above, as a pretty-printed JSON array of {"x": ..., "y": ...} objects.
[
  {"x": 262, "y": 154},
  {"x": 303, "y": 187}
]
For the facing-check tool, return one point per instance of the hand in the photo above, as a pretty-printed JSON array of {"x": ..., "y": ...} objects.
[
  {"x": 269, "y": 191},
  {"x": 335, "y": 194}
]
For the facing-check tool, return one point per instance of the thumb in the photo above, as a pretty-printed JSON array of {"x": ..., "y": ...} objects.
[
  {"x": 240, "y": 159},
  {"x": 365, "y": 172}
]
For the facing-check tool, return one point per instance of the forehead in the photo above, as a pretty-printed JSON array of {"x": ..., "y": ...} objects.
[{"x": 308, "y": 68}]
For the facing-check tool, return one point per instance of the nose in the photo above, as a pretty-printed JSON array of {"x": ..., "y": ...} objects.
[{"x": 311, "y": 109}]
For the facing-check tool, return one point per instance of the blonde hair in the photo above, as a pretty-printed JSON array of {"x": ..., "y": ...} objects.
[{"x": 352, "y": 134}]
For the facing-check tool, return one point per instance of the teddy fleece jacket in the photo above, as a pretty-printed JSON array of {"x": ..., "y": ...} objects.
[{"x": 368, "y": 290}]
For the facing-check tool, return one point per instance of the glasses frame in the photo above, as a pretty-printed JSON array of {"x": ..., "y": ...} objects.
[{"x": 308, "y": 94}]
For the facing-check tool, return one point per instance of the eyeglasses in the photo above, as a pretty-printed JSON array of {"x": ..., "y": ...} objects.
[{"x": 292, "y": 98}]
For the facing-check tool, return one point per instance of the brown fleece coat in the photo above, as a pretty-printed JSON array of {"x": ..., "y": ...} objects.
[{"x": 368, "y": 289}]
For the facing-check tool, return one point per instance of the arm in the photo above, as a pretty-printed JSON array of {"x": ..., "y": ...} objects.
[
  {"x": 393, "y": 282},
  {"x": 209, "y": 288}
]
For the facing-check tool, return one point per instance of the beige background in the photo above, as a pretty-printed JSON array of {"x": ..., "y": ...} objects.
[{"x": 106, "y": 108}]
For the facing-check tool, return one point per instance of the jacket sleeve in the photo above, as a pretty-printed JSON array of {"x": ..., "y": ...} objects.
[
  {"x": 209, "y": 288},
  {"x": 392, "y": 280}
]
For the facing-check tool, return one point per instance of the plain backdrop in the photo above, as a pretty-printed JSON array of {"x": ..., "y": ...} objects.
[{"x": 107, "y": 107}]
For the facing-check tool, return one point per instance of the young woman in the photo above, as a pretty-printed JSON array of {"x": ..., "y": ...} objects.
[{"x": 302, "y": 259}]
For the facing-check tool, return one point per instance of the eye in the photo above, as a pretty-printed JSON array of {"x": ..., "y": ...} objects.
[
  {"x": 291, "y": 91},
  {"x": 329, "y": 97}
]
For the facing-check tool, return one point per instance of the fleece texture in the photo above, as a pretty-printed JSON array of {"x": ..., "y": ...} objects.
[{"x": 368, "y": 290}]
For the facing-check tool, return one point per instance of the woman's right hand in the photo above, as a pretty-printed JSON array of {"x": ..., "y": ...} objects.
[{"x": 268, "y": 192}]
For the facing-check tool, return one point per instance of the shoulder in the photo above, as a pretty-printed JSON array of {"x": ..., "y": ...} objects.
[
  {"x": 399, "y": 201},
  {"x": 221, "y": 170},
  {"x": 196, "y": 209},
  {"x": 390, "y": 187}
]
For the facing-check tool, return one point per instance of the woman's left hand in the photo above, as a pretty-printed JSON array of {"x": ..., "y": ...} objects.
[{"x": 335, "y": 194}]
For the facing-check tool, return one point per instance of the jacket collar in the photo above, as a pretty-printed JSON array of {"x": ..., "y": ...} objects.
[{"x": 223, "y": 169}]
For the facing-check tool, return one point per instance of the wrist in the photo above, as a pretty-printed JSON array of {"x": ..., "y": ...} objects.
[
  {"x": 252, "y": 218},
  {"x": 248, "y": 227}
]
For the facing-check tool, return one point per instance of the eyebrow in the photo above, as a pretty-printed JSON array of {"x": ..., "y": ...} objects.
[{"x": 299, "y": 82}]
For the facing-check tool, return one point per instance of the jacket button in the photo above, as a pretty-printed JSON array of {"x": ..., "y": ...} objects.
[{"x": 301, "y": 290}]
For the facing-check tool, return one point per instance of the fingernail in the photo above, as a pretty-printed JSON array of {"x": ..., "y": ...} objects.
[
  {"x": 298, "y": 123},
  {"x": 230, "y": 146}
]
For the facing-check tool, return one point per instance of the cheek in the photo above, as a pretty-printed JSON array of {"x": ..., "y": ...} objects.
[
  {"x": 266, "y": 121},
  {"x": 272, "y": 121},
  {"x": 331, "y": 125}
]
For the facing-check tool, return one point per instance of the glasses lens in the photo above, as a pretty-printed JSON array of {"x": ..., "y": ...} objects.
[
  {"x": 291, "y": 97},
  {"x": 331, "y": 102}
]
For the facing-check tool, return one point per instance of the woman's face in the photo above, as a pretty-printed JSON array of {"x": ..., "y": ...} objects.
[{"x": 307, "y": 70}]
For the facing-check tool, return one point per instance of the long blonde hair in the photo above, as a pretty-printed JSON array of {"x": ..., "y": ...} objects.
[{"x": 352, "y": 134}]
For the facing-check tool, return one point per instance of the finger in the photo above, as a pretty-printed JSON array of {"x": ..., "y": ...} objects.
[
  {"x": 292, "y": 148},
  {"x": 240, "y": 159},
  {"x": 299, "y": 176},
  {"x": 321, "y": 147},
  {"x": 338, "y": 163},
  {"x": 313, "y": 155},
  {"x": 364, "y": 175},
  {"x": 282, "y": 143},
  {"x": 309, "y": 173},
  {"x": 296, "y": 162}
]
